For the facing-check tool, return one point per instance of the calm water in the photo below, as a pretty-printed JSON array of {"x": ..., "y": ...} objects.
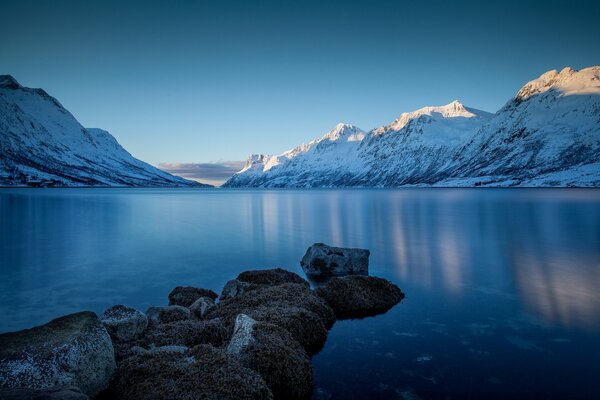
[{"x": 502, "y": 286}]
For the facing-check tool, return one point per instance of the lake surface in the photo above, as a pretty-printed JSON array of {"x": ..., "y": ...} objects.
[{"x": 502, "y": 285}]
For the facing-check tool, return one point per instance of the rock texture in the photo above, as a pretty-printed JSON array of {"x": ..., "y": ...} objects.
[
  {"x": 55, "y": 393},
  {"x": 72, "y": 350},
  {"x": 124, "y": 323},
  {"x": 186, "y": 295},
  {"x": 158, "y": 315},
  {"x": 202, "y": 306},
  {"x": 321, "y": 261},
  {"x": 359, "y": 296}
]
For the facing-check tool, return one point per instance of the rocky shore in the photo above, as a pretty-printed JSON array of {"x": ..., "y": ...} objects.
[{"x": 253, "y": 341}]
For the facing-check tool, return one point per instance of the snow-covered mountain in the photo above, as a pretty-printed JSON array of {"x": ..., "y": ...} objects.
[
  {"x": 42, "y": 143},
  {"x": 547, "y": 135}
]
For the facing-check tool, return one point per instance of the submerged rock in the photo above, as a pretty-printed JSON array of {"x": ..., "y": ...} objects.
[
  {"x": 55, "y": 393},
  {"x": 72, "y": 350},
  {"x": 359, "y": 296},
  {"x": 275, "y": 354},
  {"x": 124, "y": 323},
  {"x": 202, "y": 306},
  {"x": 321, "y": 261},
  {"x": 203, "y": 372},
  {"x": 162, "y": 315},
  {"x": 186, "y": 295}
]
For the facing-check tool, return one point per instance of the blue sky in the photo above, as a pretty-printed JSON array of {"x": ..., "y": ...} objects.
[{"x": 198, "y": 82}]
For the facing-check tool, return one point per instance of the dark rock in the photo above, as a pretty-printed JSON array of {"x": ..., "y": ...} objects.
[
  {"x": 55, "y": 393},
  {"x": 201, "y": 373},
  {"x": 202, "y": 306},
  {"x": 162, "y": 315},
  {"x": 291, "y": 306},
  {"x": 186, "y": 295},
  {"x": 187, "y": 333},
  {"x": 275, "y": 354},
  {"x": 124, "y": 323},
  {"x": 235, "y": 288},
  {"x": 276, "y": 276},
  {"x": 322, "y": 261},
  {"x": 359, "y": 296},
  {"x": 72, "y": 350}
]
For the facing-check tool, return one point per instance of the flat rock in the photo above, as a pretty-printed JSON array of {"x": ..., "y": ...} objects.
[
  {"x": 124, "y": 323},
  {"x": 186, "y": 295},
  {"x": 321, "y": 261},
  {"x": 275, "y": 354},
  {"x": 202, "y": 306},
  {"x": 162, "y": 315},
  {"x": 203, "y": 372},
  {"x": 275, "y": 276},
  {"x": 74, "y": 350},
  {"x": 359, "y": 296}
]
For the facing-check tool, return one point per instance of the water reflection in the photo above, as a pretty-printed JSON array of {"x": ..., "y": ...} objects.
[{"x": 63, "y": 250}]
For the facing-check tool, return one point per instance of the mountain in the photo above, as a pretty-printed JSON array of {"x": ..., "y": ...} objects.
[
  {"x": 41, "y": 143},
  {"x": 547, "y": 135}
]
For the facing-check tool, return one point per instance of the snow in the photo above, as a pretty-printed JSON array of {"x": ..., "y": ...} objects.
[{"x": 547, "y": 135}]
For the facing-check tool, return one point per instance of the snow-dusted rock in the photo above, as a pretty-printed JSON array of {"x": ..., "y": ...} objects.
[
  {"x": 322, "y": 261},
  {"x": 124, "y": 323},
  {"x": 41, "y": 143},
  {"x": 547, "y": 135},
  {"x": 73, "y": 350}
]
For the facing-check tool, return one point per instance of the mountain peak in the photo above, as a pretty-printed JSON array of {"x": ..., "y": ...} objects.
[
  {"x": 350, "y": 131},
  {"x": 567, "y": 81},
  {"x": 8, "y": 82}
]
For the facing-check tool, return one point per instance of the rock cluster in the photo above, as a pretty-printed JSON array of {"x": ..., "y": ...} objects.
[{"x": 255, "y": 342}]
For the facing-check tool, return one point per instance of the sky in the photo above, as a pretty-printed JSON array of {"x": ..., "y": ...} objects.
[{"x": 198, "y": 86}]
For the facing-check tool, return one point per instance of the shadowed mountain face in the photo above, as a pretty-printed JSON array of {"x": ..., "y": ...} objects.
[
  {"x": 41, "y": 143},
  {"x": 547, "y": 135}
]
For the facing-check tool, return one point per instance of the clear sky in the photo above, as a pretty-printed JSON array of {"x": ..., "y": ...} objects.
[{"x": 196, "y": 82}]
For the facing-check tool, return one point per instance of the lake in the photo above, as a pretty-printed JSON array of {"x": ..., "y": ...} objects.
[{"x": 502, "y": 285}]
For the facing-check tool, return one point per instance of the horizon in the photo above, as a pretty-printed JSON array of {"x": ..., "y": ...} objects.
[{"x": 287, "y": 72}]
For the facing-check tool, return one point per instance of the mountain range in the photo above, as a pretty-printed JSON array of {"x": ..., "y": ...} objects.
[
  {"x": 547, "y": 135},
  {"x": 42, "y": 144}
]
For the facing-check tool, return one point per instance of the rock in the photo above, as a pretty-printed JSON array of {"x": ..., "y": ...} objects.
[
  {"x": 72, "y": 350},
  {"x": 202, "y": 306},
  {"x": 124, "y": 323},
  {"x": 203, "y": 372},
  {"x": 187, "y": 333},
  {"x": 235, "y": 288},
  {"x": 186, "y": 295},
  {"x": 161, "y": 315},
  {"x": 359, "y": 296},
  {"x": 276, "y": 276},
  {"x": 275, "y": 354},
  {"x": 291, "y": 306},
  {"x": 55, "y": 393},
  {"x": 321, "y": 261}
]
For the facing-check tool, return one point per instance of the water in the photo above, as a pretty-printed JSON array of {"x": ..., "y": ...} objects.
[{"x": 502, "y": 286}]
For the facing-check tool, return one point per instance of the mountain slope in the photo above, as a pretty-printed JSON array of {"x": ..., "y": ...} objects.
[
  {"x": 547, "y": 135},
  {"x": 41, "y": 141}
]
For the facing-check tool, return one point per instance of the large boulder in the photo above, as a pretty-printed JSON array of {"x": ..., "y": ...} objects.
[
  {"x": 186, "y": 295},
  {"x": 203, "y": 372},
  {"x": 163, "y": 315},
  {"x": 322, "y": 261},
  {"x": 359, "y": 296},
  {"x": 55, "y": 393},
  {"x": 74, "y": 350},
  {"x": 291, "y": 306},
  {"x": 124, "y": 323},
  {"x": 275, "y": 354}
]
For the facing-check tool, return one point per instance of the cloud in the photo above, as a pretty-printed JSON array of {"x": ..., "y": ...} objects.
[{"x": 214, "y": 173}]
